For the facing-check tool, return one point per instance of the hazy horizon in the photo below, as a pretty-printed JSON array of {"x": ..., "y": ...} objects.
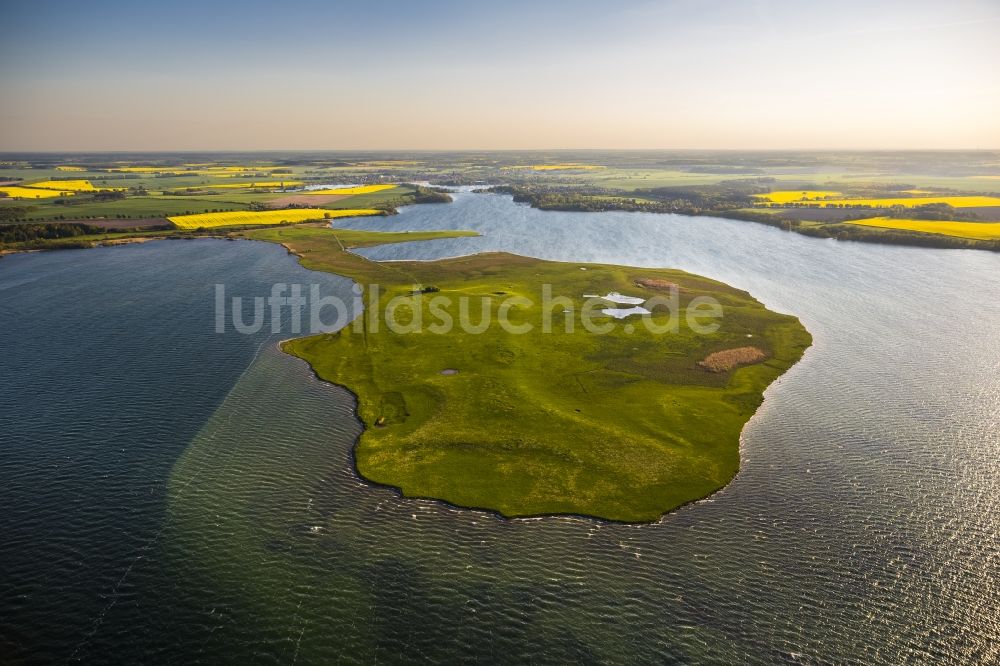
[{"x": 443, "y": 76}]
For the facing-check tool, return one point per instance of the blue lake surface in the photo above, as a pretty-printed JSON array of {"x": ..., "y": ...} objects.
[{"x": 170, "y": 494}]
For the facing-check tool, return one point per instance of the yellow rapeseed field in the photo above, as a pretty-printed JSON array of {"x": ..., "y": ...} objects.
[
  {"x": 247, "y": 217},
  {"x": 361, "y": 189},
  {"x": 268, "y": 183},
  {"x": 70, "y": 168},
  {"x": 957, "y": 202},
  {"x": 789, "y": 196},
  {"x": 974, "y": 230},
  {"x": 908, "y": 202},
  {"x": 15, "y": 192},
  {"x": 68, "y": 186}
]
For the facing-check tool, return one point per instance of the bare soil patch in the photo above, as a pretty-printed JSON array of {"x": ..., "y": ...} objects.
[
  {"x": 657, "y": 284},
  {"x": 727, "y": 359}
]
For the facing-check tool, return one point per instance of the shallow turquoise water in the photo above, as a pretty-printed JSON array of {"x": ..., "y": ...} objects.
[{"x": 861, "y": 529}]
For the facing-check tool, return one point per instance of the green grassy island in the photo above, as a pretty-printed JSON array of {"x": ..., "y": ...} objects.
[{"x": 623, "y": 425}]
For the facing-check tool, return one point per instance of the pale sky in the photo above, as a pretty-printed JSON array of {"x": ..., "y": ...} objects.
[{"x": 720, "y": 74}]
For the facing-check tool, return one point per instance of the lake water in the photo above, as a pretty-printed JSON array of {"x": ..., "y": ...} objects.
[{"x": 173, "y": 495}]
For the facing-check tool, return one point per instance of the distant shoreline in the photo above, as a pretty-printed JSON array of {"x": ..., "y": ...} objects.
[{"x": 584, "y": 202}]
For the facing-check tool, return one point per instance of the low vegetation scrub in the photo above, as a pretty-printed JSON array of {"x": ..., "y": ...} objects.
[{"x": 20, "y": 233}]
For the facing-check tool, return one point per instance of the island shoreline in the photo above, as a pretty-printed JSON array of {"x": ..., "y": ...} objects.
[{"x": 402, "y": 494}]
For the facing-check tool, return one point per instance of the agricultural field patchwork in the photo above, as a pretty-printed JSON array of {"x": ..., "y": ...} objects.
[{"x": 817, "y": 195}]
